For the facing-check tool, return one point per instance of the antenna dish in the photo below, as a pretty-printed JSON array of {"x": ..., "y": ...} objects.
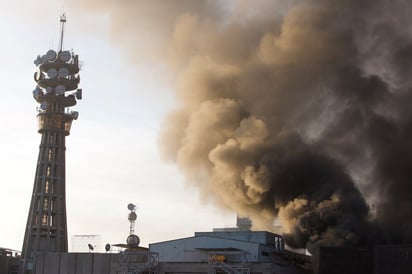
[
  {"x": 51, "y": 55},
  {"x": 131, "y": 207},
  {"x": 132, "y": 216},
  {"x": 133, "y": 240},
  {"x": 60, "y": 90},
  {"x": 52, "y": 73},
  {"x": 79, "y": 94},
  {"x": 38, "y": 75},
  {"x": 37, "y": 61},
  {"x": 63, "y": 72},
  {"x": 107, "y": 247},
  {"x": 65, "y": 56},
  {"x": 43, "y": 59},
  {"x": 49, "y": 89},
  {"x": 90, "y": 246},
  {"x": 75, "y": 115},
  {"x": 36, "y": 92},
  {"x": 44, "y": 106}
]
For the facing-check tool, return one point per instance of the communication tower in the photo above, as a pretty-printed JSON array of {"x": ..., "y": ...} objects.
[
  {"x": 57, "y": 89},
  {"x": 132, "y": 240}
]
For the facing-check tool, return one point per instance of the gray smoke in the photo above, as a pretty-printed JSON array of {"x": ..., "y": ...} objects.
[{"x": 297, "y": 111}]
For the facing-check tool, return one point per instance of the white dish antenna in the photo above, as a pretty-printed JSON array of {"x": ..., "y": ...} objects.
[
  {"x": 38, "y": 75},
  {"x": 63, "y": 73},
  {"x": 75, "y": 115},
  {"x": 51, "y": 55},
  {"x": 60, "y": 90},
  {"x": 79, "y": 94},
  {"x": 43, "y": 59},
  {"x": 36, "y": 92},
  {"x": 44, "y": 106},
  {"x": 37, "y": 61},
  {"x": 131, "y": 207},
  {"x": 65, "y": 56},
  {"x": 52, "y": 73}
]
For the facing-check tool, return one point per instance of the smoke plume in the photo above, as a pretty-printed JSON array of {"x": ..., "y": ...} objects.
[{"x": 297, "y": 111}]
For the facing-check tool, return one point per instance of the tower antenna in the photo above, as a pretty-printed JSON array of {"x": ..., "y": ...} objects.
[{"x": 62, "y": 22}]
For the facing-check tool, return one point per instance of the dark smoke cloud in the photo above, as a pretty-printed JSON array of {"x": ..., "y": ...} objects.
[{"x": 297, "y": 111}]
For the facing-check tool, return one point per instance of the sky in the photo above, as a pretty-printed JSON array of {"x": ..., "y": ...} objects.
[{"x": 112, "y": 155}]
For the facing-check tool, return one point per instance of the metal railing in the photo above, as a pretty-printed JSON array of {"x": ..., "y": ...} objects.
[{"x": 218, "y": 262}]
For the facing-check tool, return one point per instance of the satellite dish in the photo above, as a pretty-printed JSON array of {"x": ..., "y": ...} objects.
[
  {"x": 133, "y": 240},
  {"x": 44, "y": 106},
  {"x": 131, "y": 206},
  {"x": 52, "y": 73},
  {"x": 44, "y": 59},
  {"x": 79, "y": 94},
  {"x": 38, "y": 76},
  {"x": 60, "y": 89},
  {"x": 75, "y": 115},
  {"x": 132, "y": 216},
  {"x": 51, "y": 55},
  {"x": 49, "y": 89},
  {"x": 63, "y": 72},
  {"x": 107, "y": 247},
  {"x": 90, "y": 247},
  {"x": 36, "y": 92},
  {"x": 65, "y": 56},
  {"x": 37, "y": 61}
]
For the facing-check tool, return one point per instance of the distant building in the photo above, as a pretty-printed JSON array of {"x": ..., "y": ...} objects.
[
  {"x": 82, "y": 243},
  {"x": 9, "y": 261}
]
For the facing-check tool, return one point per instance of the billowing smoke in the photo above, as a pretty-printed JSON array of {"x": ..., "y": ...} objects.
[{"x": 297, "y": 111}]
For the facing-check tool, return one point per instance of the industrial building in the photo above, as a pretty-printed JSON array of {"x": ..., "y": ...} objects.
[
  {"x": 9, "y": 261},
  {"x": 205, "y": 252}
]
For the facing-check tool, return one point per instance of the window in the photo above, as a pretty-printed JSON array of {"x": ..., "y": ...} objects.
[
  {"x": 49, "y": 154},
  {"x": 46, "y": 203},
  {"x": 51, "y": 139},
  {"x": 44, "y": 219},
  {"x": 46, "y": 186}
]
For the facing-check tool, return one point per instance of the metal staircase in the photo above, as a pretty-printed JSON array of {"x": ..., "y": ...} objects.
[{"x": 151, "y": 266}]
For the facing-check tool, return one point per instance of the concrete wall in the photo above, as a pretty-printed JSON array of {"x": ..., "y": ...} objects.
[
  {"x": 4, "y": 264},
  {"x": 9, "y": 264},
  {"x": 89, "y": 263},
  {"x": 98, "y": 263},
  {"x": 75, "y": 263}
]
